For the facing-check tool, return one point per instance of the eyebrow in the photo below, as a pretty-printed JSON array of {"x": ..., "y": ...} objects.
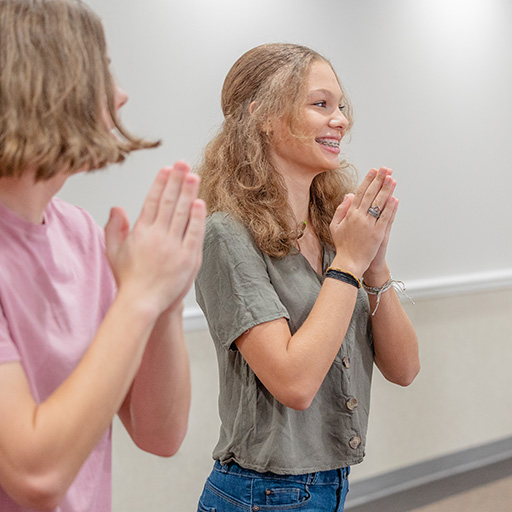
[{"x": 325, "y": 92}]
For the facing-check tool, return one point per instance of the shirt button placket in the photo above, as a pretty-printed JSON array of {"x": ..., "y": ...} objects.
[
  {"x": 355, "y": 442},
  {"x": 352, "y": 404}
]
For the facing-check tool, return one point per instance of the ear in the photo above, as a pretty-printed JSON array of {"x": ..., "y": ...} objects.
[{"x": 266, "y": 126}]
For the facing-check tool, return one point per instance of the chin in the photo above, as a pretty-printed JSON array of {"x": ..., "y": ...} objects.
[{"x": 332, "y": 165}]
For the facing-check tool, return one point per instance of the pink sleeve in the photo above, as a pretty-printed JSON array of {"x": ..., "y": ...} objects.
[{"x": 8, "y": 351}]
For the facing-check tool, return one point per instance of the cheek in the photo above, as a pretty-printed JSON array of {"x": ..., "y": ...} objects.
[{"x": 309, "y": 126}]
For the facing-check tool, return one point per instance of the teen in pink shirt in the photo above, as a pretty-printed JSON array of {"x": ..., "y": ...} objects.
[{"x": 90, "y": 322}]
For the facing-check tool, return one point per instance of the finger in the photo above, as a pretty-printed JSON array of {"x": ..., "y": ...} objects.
[
  {"x": 381, "y": 180},
  {"x": 184, "y": 203},
  {"x": 381, "y": 199},
  {"x": 388, "y": 215},
  {"x": 342, "y": 209},
  {"x": 116, "y": 230},
  {"x": 372, "y": 173},
  {"x": 393, "y": 214},
  {"x": 194, "y": 234},
  {"x": 150, "y": 206},
  {"x": 171, "y": 193}
]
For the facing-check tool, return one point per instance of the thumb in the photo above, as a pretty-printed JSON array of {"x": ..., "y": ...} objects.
[
  {"x": 116, "y": 230},
  {"x": 342, "y": 209}
]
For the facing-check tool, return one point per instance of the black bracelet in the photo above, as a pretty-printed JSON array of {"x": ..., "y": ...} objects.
[{"x": 344, "y": 276}]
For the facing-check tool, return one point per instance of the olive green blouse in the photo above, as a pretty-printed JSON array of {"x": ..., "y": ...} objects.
[{"x": 239, "y": 287}]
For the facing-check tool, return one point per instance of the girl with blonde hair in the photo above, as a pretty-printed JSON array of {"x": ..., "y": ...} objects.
[
  {"x": 90, "y": 322},
  {"x": 295, "y": 287}
]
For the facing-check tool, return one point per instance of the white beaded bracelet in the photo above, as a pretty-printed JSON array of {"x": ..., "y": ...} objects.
[{"x": 399, "y": 286}]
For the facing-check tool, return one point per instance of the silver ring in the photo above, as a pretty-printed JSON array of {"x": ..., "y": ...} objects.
[{"x": 374, "y": 211}]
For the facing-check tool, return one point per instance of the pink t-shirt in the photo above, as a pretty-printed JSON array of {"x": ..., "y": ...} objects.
[{"x": 55, "y": 288}]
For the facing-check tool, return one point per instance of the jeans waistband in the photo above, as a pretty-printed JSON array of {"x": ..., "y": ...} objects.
[{"x": 318, "y": 477}]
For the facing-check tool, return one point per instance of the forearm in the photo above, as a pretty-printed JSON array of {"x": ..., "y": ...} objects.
[
  {"x": 51, "y": 441},
  {"x": 395, "y": 341},
  {"x": 156, "y": 410},
  {"x": 315, "y": 345},
  {"x": 293, "y": 368}
]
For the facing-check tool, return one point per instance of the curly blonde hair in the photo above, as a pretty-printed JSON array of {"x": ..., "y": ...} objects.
[
  {"x": 237, "y": 176},
  {"x": 55, "y": 88}
]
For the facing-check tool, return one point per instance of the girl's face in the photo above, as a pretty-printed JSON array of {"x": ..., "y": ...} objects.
[{"x": 321, "y": 127}]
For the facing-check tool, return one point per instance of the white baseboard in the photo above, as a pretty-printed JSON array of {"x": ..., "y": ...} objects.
[
  {"x": 365, "y": 492},
  {"x": 438, "y": 287},
  {"x": 193, "y": 319}
]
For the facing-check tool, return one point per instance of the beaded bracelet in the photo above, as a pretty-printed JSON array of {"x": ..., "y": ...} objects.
[
  {"x": 399, "y": 286},
  {"x": 344, "y": 276}
]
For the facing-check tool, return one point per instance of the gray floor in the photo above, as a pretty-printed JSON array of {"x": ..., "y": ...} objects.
[
  {"x": 482, "y": 490},
  {"x": 493, "y": 497}
]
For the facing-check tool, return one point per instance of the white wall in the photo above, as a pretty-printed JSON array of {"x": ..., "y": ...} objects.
[{"x": 430, "y": 81}]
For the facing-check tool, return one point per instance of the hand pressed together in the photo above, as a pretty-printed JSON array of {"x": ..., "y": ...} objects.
[
  {"x": 361, "y": 239},
  {"x": 157, "y": 261}
]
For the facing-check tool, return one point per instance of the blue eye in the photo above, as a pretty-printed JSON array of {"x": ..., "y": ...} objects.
[{"x": 322, "y": 104}]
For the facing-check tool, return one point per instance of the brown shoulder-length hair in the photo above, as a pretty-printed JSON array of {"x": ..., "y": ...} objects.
[
  {"x": 55, "y": 90},
  {"x": 237, "y": 176}
]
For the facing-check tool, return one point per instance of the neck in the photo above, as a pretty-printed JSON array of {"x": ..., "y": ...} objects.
[
  {"x": 298, "y": 184},
  {"x": 298, "y": 196},
  {"x": 29, "y": 198}
]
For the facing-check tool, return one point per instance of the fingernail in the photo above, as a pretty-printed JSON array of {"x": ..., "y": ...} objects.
[{"x": 191, "y": 178}]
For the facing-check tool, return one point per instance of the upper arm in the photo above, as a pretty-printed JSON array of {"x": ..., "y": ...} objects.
[
  {"x": 265, "y": 349},
  {"x": 233, "y": 287}
]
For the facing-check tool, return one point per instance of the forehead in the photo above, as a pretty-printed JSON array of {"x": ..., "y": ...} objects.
[{"x": 321, "y": 77}]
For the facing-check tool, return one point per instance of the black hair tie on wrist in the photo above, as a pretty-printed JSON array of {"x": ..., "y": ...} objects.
[{"x": 344, "y": 276}]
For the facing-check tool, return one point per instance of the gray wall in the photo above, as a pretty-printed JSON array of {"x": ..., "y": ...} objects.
[{"x": 430, "y": 81}]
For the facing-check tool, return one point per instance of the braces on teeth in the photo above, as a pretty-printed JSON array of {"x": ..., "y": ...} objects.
[{"x": 332, "y": 144}]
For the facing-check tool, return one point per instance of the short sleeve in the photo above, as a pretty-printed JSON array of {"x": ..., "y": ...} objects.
[
  {"x": 8, "y": 350},
  {"x": 233, "y": 287}
]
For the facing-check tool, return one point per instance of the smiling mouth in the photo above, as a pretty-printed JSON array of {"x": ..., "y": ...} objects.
[{"x": 329, "y": 142}]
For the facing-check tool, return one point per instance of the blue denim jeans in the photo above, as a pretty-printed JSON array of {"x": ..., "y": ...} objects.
[{"x": 231, "y": 488}]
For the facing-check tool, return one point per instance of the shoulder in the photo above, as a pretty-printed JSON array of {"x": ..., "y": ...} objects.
[
  {"x": 73, "y": 219},
  {"x": 228, "y": 240},
  {"x": 64, "y": 210},
  {"x": 221, "y": 226}
]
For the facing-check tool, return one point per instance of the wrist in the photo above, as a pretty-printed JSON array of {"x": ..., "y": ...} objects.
[
  {"x": 168, "y": 321},
  {"x": 377, "y": 277},
  {"x": 174, "y": 312},
  {"x": 344, "y": 276},
  {"x": 348, "y": 266},
  {"x": 136, "y": 305}
]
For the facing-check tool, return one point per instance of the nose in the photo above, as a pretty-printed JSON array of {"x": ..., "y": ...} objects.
[
  {"x": 338, "y": 120},
  {"x": 120, "y": 97}
]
